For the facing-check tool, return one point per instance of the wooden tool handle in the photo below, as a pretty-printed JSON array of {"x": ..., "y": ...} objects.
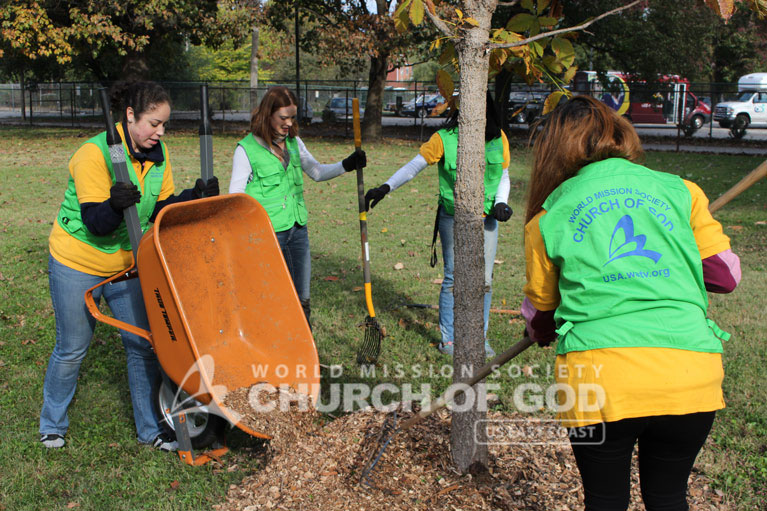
[
  {"x": 481, "y": 374},
  {"x": 356, "y": 122},
  {"x": 751, "y": 178}
]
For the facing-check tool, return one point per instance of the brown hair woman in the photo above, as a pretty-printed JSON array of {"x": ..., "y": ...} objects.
[
  {"x": 619, "y": 261},
  {"x": 269, "y": 164}
]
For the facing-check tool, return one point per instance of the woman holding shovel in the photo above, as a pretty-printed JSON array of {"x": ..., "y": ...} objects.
[
  {"x": 619, "y": 260},
  {"x": 269, "y": 164},
  {"x": 89, "y": 242},
  {"x": 441, "y": 148}
]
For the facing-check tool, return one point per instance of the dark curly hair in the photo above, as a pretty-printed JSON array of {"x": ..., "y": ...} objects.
[{"x": 140, "y": 96}]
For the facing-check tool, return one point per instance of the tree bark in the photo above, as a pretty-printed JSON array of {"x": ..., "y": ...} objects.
[
  {"x": 371, "y": 125},
  {"x": 254, "y": 68},
  {"x": 468, "y": 439}
]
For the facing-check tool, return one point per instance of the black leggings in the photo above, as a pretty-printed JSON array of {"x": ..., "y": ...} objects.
[{"x": 668, "y": 445}]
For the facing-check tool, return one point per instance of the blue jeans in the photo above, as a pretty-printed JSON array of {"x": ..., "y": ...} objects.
[
  {"x": 295, "y": 249},
  {"x": 446, "y": 293},
  {"x": 74, "y": 330}
]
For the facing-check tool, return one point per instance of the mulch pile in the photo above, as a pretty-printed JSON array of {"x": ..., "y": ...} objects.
[{"x": 319, "y": 468}]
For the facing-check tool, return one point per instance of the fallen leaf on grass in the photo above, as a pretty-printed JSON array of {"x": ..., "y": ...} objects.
[
  {"x": 113, "y": 444},
  {"x": 760, "y": 222},
  {"x": 411, "y": 253},
  {"x": 384, "y": 230},
  {"x": 28, "y": 341},
  {"x": 498, "y": 261},
  {"x": 735, "y": 227},
  {"x": 174, "y": 485},
  {"x": 399, "y": 266},
  {"x": 527, "y": 371},
  {"x": 357, "y": 288},
  {"x": 72, "y": 505},
  {"x": 330, "y": 278},
  {"x": 402, "y": 242},
  {"x": 436, "y": 281}
]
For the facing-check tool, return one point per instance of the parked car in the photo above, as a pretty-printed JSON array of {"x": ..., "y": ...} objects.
[
  {"x": 339, "y": 109},
  {"x": 306, "y": 112},
  {"x": 422, "y": 106},
  {"x": 749, "y": 108},
  {"x": 525, "y": 106}
]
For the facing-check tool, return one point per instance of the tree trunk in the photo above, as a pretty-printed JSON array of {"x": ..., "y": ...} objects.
[
  {"x": 469, "y": 442},
  {"x": 371, "y": 125},
  {"x": 254, "y": 69}
]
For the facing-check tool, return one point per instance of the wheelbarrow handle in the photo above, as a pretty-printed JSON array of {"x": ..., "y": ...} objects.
[
  {"x": 481, "y": 374},
  {"x": 96, "y": 313}
]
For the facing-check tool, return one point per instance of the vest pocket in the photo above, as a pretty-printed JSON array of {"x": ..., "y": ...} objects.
[{"x": 268, "y": 176}]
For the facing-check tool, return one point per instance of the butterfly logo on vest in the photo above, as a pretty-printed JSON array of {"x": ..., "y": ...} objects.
[{"x": 626, "y": 224}]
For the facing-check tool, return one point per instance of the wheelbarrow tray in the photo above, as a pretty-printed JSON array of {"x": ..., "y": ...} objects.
[{"x": 222, "y": 308}]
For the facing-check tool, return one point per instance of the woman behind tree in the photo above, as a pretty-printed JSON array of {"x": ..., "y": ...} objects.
[
  {"x": 619, "y": 259},
  {"x": 269, "y": 164},
  {"x": 442, "y": 148},
  {"x": 89, "y": 242}
]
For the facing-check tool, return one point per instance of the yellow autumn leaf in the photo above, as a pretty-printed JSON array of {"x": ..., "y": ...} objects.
[
  {"x": 445, "y": 84},
  {"x": 471, "y": 21},
  {"x": 722, "y": 8},
  {"x": 416, "y": 12},
  {"x": 552, "y": 100}
]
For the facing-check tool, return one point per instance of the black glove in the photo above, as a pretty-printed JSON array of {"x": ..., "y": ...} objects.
[
  {"x": 354, "y": 159},
  {"x": 375, "y": 195},
  {"x": 123, "y": 195},
  {"x": 202, "y": 189},
  {"x": 502, "y": 212},
  {"x": 540, "y": 342}
]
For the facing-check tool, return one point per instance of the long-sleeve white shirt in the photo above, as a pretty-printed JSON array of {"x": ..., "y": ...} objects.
[{"x": 242, "y": 173}]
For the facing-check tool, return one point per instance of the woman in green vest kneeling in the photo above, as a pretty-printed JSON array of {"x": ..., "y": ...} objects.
[
  {"x": 89, "y": 243},
  {"x": 619, "y": 261},
  {"x": 269, "y": 164},
  {"x": 442, "y": 148}
]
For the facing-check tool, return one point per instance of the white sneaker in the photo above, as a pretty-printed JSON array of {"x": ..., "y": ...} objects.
[
  {"x": 165, "y": 443},
  {"x": 52, "y": 441}
]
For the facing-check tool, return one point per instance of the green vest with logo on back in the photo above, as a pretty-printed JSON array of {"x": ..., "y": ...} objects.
[
  {"x": 630, "y": 270},
  {"x": 449, "y": 162},
  {"x": 71, "y": 220},
  {"x": 280, "y": 191}
]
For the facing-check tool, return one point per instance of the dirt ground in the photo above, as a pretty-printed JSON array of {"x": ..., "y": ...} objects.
[{"x": 320, "y": 466}]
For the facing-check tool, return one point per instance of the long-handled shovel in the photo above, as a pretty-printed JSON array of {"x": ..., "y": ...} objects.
[
  {"x": 370, "y": 348},
  {"x": 390, "y": 427},
  {"x": 206, "y": 137}
]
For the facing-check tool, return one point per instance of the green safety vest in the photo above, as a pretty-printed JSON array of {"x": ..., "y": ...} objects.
[
  {"x": 280, "y": 191},
  {"x": 448, "y": 164},
  {"x": 71, "y": 220},
  {"x": 630, "y": 269}
]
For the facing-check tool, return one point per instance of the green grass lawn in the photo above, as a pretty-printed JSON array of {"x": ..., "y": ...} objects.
[{"x": 103, "y": 467}]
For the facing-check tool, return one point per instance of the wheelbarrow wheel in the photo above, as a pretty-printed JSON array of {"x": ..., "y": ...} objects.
[{"x": 204, "y": 427}]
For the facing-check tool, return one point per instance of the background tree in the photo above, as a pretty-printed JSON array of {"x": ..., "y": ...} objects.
[{"x": 353, "y": 35}]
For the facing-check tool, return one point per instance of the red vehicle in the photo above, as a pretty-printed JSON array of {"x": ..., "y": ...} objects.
[{"x": 668, "y": 101}]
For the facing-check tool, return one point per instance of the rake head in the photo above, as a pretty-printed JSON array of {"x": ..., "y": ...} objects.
[
  {"x": 370, "y": 348},
  {"x": 388, "y": 430}
]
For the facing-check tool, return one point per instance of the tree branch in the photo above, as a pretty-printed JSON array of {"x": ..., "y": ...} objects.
[
  {"x": 561, "y": 30},
  {"x": 441, "y": 25}
]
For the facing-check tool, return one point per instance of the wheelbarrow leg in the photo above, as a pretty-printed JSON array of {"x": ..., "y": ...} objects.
[{"x": 180, "y": 425}]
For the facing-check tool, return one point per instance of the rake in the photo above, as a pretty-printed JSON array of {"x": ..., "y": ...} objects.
[
  {"x": 391, "y": 428},
  {"x": 370, "y": 348}
]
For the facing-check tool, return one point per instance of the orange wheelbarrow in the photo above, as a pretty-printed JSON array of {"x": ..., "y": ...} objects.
[{"x": 222, "y": 310}]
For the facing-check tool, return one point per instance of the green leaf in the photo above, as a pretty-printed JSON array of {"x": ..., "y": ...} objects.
[
  {"x": 528, "y": 4},
  {"x": 402, "y": 17},
  {"x": 520, "y": 23},
  {"x": 542, "y": 4},
  {"x": 547, "y": 21},
  {"x": 553, "y": 64},
  {"x": 448, "y": 53},
  {"x": 552, "y": 101},
  {"x": 569, "y": 74},
  {"x": 537, "y": 48},
  {"x": 564, "y": 51},
  {"x": 416, "y": 12}
]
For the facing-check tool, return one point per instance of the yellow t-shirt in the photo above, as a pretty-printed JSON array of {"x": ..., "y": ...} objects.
[
  {"x": 614, "y": 384},
  {"x": 92, "y": 183},
  {"x": 432, "y": 150}
]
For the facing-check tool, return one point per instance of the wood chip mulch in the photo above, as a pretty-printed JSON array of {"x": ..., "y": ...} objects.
[{"x": 317, "y": 467}]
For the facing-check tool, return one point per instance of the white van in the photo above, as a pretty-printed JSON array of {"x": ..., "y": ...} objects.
[{"x": 750, "y": 109}]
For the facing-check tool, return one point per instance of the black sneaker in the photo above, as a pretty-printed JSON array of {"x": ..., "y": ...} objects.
[
  {"x": 52, "y": 441},
  {"x": 164, "y": 442}
]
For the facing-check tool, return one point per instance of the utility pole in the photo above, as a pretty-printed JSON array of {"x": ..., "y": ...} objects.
[{"x": 298, "y": 69}]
